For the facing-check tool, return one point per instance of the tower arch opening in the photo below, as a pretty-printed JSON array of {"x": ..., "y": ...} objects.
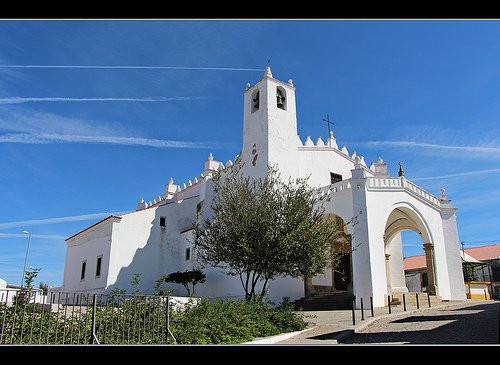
[
  {"x": 255, "y": 100},
  {"x": 402, "y": 223},
  {"x": 280, "y": 97}
]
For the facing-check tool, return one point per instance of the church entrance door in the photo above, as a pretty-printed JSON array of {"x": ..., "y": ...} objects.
[{"x": 342, "y": 275}]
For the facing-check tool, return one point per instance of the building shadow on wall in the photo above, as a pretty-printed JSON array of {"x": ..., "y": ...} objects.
[{"x": 162, "y": 253}]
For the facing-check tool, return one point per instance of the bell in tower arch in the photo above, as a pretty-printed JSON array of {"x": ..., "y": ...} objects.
[
  {"x": 255, "y": 100},
  {"x": 280, "y": 99}
]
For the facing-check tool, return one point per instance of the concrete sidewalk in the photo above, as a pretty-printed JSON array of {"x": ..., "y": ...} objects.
[{"x": 330, "y": 327}]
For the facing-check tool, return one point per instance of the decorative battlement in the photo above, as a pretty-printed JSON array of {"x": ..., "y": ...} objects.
[
  {"x": 172, "y": 190},
  {"x": 330, "y": 145},
  {"x": 384, "y": 184},
  {"x": 401, "y": 183}
]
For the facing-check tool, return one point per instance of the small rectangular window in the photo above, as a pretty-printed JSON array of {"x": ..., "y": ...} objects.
[
  {"x": 163, "y": 222},
  {"x": 82, "y": 275},
  {"x": 188, "y": 254},
  {"x": 335, "y": 178},
  {"x": 98, "y": 267}
]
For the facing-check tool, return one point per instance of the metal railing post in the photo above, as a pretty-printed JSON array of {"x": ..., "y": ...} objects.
[
  {"x": 354, "y": 311},
  {"x": 389, "y": 303},
  {"x": 362, "y": 310},
  {"x": 371, "y": 306},
  {"x": 167, "y": 314},
  {"x": 429, "y": 299},
  {"x": 416, "y": 296},
  {"x": 404, "y": 302},
  {"x": 93, "y": 338}
]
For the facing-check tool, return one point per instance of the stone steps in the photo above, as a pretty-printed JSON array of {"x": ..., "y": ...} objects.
[{"x": 411, "y": 300}]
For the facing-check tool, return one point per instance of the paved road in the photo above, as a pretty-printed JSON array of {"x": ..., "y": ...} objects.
[
  {"x": 326, "y": 327},
  {"x": 467, "y": 323}
]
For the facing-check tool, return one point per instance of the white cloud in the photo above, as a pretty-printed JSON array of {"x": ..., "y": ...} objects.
[
  {"x": 31, "y": 127},
  {"x": 29, "y": 121}
]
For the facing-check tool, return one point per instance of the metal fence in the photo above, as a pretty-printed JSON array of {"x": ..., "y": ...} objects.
[{"x": 84, "y": 318}]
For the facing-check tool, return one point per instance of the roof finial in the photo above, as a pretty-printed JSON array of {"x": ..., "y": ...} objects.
[
  {"x": 401, "y": 172},
  {"x": 268, "y": 70}
]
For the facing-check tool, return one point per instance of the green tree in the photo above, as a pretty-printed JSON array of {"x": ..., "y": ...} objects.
[
  {"x": 262, "y": 229},
  {"x": 185, "y": 278},
  {"x": 26, "y": 294}
]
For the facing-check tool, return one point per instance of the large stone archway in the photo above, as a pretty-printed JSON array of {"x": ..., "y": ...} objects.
[
  {"x": 339, "y": 278},
  {"x": 402, "y": 218}
]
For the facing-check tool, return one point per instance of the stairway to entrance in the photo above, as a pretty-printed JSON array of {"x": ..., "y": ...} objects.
[
  {"x": 411, "y": 299},
  {"x": 325, "y": 301}
]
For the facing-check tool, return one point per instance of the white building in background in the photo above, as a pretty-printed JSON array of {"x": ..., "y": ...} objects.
[{"x": 156, "y": 238}]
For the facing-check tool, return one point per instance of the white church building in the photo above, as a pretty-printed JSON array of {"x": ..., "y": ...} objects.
[{"x": 156, "y": 238}]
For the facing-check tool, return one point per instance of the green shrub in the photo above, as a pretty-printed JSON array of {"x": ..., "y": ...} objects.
[
  {"x": 230, "y": 322},
  {"x": 143, "y": 321}
]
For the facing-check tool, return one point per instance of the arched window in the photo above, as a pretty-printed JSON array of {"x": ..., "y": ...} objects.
[
  {"x": 280, "y": 98},
  {"x": 255, "y": 100}
]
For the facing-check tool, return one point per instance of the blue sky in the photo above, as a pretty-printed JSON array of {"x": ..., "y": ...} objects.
[{"x": 151, "y": 99}]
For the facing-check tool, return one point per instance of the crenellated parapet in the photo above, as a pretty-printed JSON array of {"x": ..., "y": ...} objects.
[
  {"x": 330, "y": 144},
  {"x": 177, "y": 192}
]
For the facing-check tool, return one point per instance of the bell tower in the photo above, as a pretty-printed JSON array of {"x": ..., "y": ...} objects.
[{"x": 270, "y": 127}]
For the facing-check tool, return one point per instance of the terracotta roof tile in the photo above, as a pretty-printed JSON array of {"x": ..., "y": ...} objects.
[
  {"x": 415, "y": 262},
  {"x": 482, "y": 253}
]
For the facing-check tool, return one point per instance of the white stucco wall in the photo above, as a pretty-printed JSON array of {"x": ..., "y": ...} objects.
[
  {"x": 318, "y": 162},
  {"x": 88, "y": 246}
]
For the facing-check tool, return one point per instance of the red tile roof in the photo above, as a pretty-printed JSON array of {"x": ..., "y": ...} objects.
[
  {"x": 481, "y": 253},
  {"x": 415, "y": 262}
]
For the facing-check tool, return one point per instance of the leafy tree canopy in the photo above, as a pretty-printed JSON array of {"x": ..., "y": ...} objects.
[{"x": 266, "y": 228}]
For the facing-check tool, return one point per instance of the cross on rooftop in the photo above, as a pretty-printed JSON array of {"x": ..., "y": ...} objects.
[{"x": 327, "y": 120}]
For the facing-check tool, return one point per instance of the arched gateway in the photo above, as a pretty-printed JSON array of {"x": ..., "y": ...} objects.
[
  {"x": 380, "y": 209},
  {"x": 405, "y": 217}
]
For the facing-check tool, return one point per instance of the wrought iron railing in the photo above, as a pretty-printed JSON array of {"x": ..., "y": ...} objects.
[{"x": 84, "y": 318}]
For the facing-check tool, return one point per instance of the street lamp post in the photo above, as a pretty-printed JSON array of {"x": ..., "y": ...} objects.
[{"x": 26, "y": 257}]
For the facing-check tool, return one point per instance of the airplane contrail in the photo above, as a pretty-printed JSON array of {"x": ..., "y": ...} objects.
[
  {"x": 42, "y": 236},
  {"x": 481, "y": 149},
  {"x": 73, "y": 218},
  {"x": 467, "y": 173},
  {"x": 20, "y": 100},
  {"x": 46, "y": 138},
  {"x": 134, "y": 67}
]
